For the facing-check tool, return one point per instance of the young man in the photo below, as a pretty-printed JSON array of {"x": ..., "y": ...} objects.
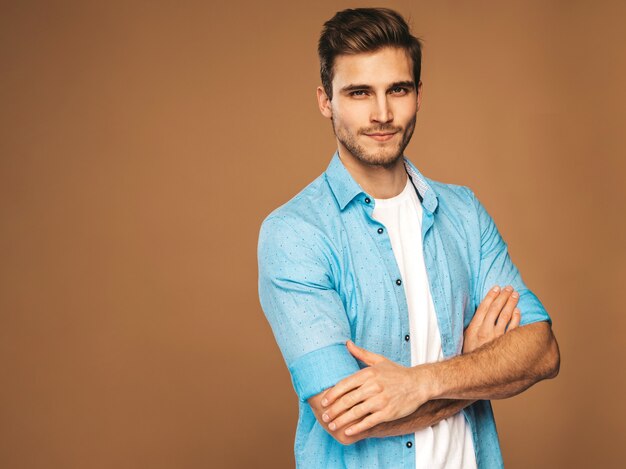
[{"x": 375, "y": 254}]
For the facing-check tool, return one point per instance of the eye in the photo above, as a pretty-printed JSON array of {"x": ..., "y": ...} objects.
[
  {"x": 357, "y": 93},
  {"x": 399, "y": 90}
]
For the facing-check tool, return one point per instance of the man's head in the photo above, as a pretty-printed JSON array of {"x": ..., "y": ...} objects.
[
  {"x": 370, "y": 67},
  {"x": 359, "y": 30}
]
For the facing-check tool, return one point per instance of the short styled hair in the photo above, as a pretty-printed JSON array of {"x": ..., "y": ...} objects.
[{"x": 358, "y": 30}]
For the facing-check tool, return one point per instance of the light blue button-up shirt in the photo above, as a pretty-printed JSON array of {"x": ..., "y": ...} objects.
[{"x": 328, "y": 274}]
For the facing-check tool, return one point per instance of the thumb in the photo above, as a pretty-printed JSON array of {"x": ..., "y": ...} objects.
[{"x": 367, "y": 357}]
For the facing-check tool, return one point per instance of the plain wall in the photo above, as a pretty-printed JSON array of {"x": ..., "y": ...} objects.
[{"x": 141, "y": 146}]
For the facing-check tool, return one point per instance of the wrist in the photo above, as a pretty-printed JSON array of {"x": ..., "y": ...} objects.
[
  {"x": 432, "y": 381},
  {"x": 426, "y": 381}
]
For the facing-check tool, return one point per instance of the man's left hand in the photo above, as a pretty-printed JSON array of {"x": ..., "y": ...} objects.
[{"x": 382, "y": 392}]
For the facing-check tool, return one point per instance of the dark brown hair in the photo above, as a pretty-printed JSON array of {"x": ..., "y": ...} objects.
[{"x": 358, "y": 30}]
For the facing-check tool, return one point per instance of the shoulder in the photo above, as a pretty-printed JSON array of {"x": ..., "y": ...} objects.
[
  {"x": 458, "y": 205},
  {"x": 304, "y": 220},
  {"x": 461, "y": 204},
  {"x": 308, "y": 211},
  {"x": 453, "y": 195}
]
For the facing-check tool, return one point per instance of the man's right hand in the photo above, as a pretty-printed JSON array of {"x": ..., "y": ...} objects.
[{"x": 496, "y": 312}]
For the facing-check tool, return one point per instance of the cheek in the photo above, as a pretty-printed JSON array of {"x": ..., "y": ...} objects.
[
  {"x": 354, "y": 115},
  {"x": 407, "y": 113},
  {"x": 345, "y": 122}
]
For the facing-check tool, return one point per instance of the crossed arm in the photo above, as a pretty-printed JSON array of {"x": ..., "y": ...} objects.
[{"x": 387, "y": 399}]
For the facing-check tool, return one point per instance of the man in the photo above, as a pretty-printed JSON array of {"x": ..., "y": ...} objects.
[{"x": 374, "y": 254}]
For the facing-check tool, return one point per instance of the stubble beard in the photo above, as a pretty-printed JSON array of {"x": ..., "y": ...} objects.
[{"x": 385, "y": 157}]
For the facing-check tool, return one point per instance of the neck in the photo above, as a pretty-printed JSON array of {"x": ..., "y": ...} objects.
[{"x": 381, "y": 182}]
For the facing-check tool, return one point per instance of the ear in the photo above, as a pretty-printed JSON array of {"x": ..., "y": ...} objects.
[
  {"x": 419, "y": 95},
  {"x": 324, "y": 103}
]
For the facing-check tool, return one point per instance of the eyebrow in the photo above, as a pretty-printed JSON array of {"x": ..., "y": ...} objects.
[{"x": 407, "y": 84}]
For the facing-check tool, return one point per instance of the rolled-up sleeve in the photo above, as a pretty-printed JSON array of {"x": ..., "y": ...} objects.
[
  {"x": 496, "y": 268},
  {"x": 303, "y": 308}
]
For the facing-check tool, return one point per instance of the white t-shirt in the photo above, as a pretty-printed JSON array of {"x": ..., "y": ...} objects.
[{"x": 448, "y": 444}]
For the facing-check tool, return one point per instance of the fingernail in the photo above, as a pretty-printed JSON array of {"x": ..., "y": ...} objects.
[
  {"x": 332, "y": 426},
  {"x": 515, "y": 294},
  {"x": 508, "y": 288},
  {"x": 325, "y": 418},
  {"x": 349, "y": 431},
  {"x": 324, "y": 401},
  {"x": 495, "y": 289}
]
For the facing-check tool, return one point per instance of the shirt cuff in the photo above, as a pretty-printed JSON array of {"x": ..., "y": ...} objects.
[
  {"x": 532, "y": 310},
  {"x": 321, "y": 369}
]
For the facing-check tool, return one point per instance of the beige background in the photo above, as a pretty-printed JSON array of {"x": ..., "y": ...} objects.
[{"x": 142, "y": 144}]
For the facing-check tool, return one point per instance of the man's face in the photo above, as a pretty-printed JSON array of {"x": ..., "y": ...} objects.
[{"x": 374, "y": 105}]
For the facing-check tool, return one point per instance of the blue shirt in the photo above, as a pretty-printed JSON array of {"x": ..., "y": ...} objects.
[{"x": 327, "y": 273}]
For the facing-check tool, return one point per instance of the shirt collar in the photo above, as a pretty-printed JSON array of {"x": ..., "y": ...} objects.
[
  {"x": 345, "y": 188},
  {"x": 424, "y": 190}
]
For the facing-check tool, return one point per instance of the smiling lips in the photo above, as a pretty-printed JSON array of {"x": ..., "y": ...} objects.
[{"x": 382, "y": 137}]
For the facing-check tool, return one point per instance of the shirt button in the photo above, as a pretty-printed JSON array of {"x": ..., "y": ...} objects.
[
  {"x": 380, "y": 231},
  {"x": 407, "y": 337},
  {"x": 409, "y": 444},
  {"x": 398, "y": 282},
  {"x": 367, "y": 200}
]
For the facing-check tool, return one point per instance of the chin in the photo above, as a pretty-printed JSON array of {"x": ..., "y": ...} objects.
[
  {"x": 369, "y": 153},
  {"x": 381, "y": 159}
]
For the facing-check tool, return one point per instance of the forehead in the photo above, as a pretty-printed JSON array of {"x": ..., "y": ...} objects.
[{"x": 378, "y": 68}]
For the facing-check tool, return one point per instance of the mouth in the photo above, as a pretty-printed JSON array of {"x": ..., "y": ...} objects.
[{"x": 382, "y": 136}]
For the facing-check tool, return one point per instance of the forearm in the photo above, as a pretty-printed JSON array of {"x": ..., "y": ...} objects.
[
  {"x": 499, "y": 369},
  {"x": 425, "y": 416}
]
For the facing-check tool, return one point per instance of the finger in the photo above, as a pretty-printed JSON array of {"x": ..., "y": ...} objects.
[
  {"x": 367, "y": 357},
  {"x": 484, "y": 305},
  {"x": 355, "y": 397},
  {"x": 506, "y": 314},
  {"x": 351, "y": 416},
  {"x": 344, "y": 386},
  {"x": 517, "y": 316},
  {"x": 346, "y": 402},
  {"x": 496, "y": 307},
  {"x": 365, "y": 424}
]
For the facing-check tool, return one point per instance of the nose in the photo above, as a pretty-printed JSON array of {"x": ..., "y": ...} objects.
[{"x": 381, "y": 111}]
